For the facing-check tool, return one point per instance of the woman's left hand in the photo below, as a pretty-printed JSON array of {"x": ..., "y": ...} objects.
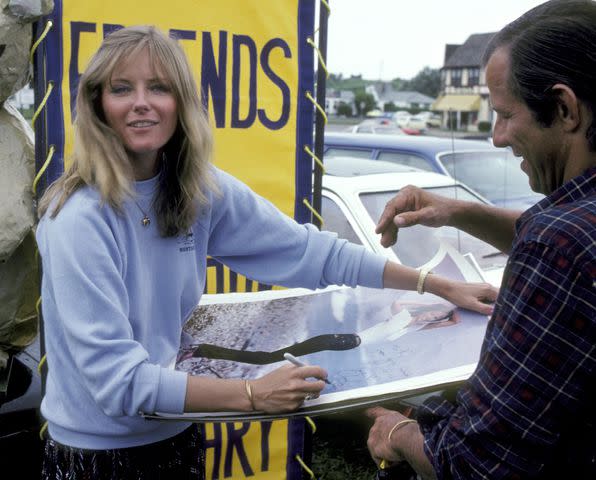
[{"x": 478, "y": 297}]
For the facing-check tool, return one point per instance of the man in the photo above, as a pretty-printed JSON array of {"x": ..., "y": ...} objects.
[{"x": 528, "y": 409}]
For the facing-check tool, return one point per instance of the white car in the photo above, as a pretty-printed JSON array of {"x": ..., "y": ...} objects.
[
  {"x": 416, "y": 122},
  {"x": 432, "y": 120},
  {"x": 351, "y": 206}
]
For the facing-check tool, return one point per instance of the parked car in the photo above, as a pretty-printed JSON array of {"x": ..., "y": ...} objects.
[
  {"x": 351, "y": 207},
  {"x": 20, "y": 421},
  {"x": 415, "y": 122},
  {"x": 492, "y": 172},
  {"x": 355, "y": 167},
  {"x": 432, "y": 120},
  {"x": 382, "y": 126}
]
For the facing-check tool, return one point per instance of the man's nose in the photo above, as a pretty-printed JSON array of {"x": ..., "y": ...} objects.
[{"x": 499, "y": 134}]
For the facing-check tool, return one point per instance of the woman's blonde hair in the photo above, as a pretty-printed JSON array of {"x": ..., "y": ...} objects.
[{"x": 99, "y": 158}]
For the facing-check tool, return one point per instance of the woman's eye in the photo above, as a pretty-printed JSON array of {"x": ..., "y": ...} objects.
[
  {"x": 161, "y": 88},
  {"x": 119, "y": 89}
]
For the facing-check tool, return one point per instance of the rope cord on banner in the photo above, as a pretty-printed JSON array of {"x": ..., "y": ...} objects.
[
  {"x": 313, "y": 211},
  {"x": 43, "y": 168},
  {"x": 312, "y": 424},
  {"x": 317, "y": 153},
  {"x": 47, "y": 28},
  {"x": 321, "y": 60},
  {"x": 299, "y": 459},
  {"x": 321, "y": 117},
  {"x": 317, "y": 106},
  {"x": 42, "y": 103},
  {"x": 315, "y": 158},
  {"x": 49, "y": 157},
  {"x": 304, "y": 466}
]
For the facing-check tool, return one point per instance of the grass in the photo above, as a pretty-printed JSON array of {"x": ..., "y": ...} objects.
[{"x": 339, "y": 448}]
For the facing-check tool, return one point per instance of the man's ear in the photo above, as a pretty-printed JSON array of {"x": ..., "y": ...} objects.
[{"x": 568, "y": 107}]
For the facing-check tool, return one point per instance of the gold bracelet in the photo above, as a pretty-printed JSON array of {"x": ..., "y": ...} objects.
[
  {"x": 424, "y": 272},
  {"x": 398, "y": 425},
  {"x": 249, "y": 394}
]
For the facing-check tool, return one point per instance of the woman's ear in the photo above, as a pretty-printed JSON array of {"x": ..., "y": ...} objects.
[{"x": 568, "y": 107}]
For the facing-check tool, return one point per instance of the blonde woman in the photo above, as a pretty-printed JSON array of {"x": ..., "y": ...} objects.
[{"x": 124, "y": 239}]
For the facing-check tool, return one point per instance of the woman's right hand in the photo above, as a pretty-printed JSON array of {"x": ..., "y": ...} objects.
[{"x": 285, "y": 388}]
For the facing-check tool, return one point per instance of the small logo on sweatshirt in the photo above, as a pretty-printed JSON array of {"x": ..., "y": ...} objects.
[{"x": 186, "y": 243}]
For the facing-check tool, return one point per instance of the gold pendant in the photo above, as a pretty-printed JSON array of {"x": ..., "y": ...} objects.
[{"x": 146, "y": 221}]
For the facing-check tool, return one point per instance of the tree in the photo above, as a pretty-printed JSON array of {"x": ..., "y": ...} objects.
[
  {"x": 390, "y": 107},
  {"x": 427, "y": 81},
  {"x": 365, "y": 102},
  {"x": 344, "y": 109}
]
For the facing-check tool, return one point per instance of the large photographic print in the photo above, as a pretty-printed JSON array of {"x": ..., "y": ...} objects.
[{"x": 375, "y": 344}]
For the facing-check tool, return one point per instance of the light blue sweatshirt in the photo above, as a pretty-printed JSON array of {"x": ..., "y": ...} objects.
[{"x": 116, "y": 295}]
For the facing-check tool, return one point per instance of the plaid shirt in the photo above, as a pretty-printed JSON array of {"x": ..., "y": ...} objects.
[{"x": 528, "y": 411}]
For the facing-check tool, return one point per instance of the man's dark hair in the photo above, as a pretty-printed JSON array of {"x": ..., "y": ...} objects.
[{"x": 552, "y": 43}]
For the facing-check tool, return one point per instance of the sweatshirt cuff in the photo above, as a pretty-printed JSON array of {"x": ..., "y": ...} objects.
[
  {"x": 172, "y": 391},
  {"x": 371, "y": 270}
]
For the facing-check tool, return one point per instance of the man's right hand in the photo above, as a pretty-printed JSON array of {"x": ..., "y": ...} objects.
[{"x": 412, "y": 206}]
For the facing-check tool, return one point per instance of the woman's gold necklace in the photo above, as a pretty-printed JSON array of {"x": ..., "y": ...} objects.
[{"x": 145, "y": 221}]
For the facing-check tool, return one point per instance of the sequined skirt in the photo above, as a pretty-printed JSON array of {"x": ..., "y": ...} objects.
[{"x": 181, "y": 457}]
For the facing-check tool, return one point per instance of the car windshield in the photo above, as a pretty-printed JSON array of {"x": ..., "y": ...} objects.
[
  {"x": 494, "y": 175},
  {"x": 417, "y": 245}
]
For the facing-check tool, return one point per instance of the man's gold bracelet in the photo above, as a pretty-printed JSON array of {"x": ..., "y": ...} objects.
[{"x": 398, "y": 425}]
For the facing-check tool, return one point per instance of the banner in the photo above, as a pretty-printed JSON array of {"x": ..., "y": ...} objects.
[
  {"x": 252, "y": 64},
  {"x": 254, "y": 68}
]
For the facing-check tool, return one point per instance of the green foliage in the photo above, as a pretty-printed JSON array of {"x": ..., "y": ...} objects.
[
  {"x": 355, "y": 82},
  {"x": 390, "y": 107},
  {"x": 398, "y": 84},
  {"x": 484, "y": 127},
  {"x": 344, "y": 109},
  {"x": 365, "y": 102},
  {"x": 427, "y": 81}
]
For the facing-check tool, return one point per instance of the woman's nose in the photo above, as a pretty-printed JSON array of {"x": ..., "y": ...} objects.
[{"x": 140, "y": 101}]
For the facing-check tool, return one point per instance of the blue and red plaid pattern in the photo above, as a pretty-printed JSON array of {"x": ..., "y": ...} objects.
[{"x": 528, "y": 411}]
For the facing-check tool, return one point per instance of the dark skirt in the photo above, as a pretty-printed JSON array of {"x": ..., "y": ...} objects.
[{"x": 181, "y": 457}]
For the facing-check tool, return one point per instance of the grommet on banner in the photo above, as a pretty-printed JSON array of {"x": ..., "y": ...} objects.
[
  {"x": 315, "y": 158},
  {"x": 312, "y": 210}
]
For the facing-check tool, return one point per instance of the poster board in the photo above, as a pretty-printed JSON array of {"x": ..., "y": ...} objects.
[{"x": 376, "y": 344}]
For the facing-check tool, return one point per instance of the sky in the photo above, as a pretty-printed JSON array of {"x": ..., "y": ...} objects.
[{"x": 385, "y": 39}]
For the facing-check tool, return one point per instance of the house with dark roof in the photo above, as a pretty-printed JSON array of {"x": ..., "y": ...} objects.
[
  {"x": 384, "y": 94},
  {"x": 464, "y": 94},
  {"x": 334, "y": 98}
]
